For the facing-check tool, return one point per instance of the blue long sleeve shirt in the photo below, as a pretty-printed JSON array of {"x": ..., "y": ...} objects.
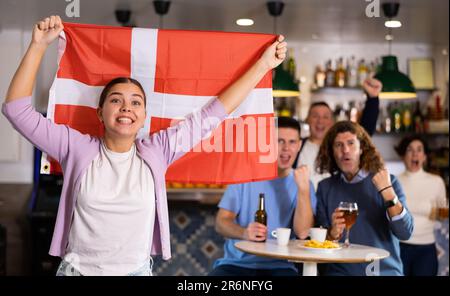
[{"x": 373, "y": 226}]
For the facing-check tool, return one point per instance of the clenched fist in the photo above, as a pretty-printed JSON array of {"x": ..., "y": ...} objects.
[
  {"x": 382, "y": 179},
  {"x": 373, "y": 87},
  {"x": 301, "y": 176},
  {"x": 47, "y": 30}
]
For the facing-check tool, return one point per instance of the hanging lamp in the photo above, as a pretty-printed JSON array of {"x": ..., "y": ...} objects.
[
  {"x": 161, "y": 8},
  {"x": 396, "y": 85},
  {"x": 283, "y": 83}
]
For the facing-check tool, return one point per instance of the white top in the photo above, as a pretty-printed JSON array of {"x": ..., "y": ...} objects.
[
  {"x": 112, "y": 227},
  {"x": 308, "y": 157},
  {"x": 423, "y": 192}
]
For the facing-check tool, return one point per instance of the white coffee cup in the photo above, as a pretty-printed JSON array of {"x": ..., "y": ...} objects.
[
  {"x": 283, "y": 235},
  {"x": 318, "y": 234}
]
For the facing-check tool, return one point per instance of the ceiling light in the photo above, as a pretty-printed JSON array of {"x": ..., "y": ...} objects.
[
  {"x": 392, "y": 24},
  {"x": 245, "y": 22}
]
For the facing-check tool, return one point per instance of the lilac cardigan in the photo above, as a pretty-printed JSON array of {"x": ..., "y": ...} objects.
[{"x": 75, "y": 151}]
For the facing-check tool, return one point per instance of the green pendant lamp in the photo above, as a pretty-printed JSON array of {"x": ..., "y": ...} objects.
[
  {"x": 396, "y": 85},
  {"x": 283, "y": 83}
]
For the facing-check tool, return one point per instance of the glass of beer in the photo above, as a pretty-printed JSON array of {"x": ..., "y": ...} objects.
[
  {"x": 350, "y": 210},
  {"x": 442, "y": 209}
]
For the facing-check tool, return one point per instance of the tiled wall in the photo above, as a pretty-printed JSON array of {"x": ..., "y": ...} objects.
[
  {"x": 441, "y": 231},
  {"x": 195, "y": 243}
]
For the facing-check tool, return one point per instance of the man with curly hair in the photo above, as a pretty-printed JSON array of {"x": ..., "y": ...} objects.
[
  {"x": 320, "y": 119},
  {"x": 358, "y": 175}
]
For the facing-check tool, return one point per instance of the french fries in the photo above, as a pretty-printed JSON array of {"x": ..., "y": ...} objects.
[{"x": 325, "y": 245}]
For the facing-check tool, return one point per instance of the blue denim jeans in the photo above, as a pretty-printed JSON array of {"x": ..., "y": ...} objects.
[{"x": 66, "y": 269}]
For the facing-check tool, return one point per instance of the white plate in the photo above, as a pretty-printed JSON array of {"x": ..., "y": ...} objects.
[{"x": 319, "y": 250}]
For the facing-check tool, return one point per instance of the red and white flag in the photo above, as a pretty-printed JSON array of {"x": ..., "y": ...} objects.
[{"x": 180, "y": 72}]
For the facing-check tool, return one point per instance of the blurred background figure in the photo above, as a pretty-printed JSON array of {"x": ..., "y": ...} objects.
[{"x": 425, "y": 193}]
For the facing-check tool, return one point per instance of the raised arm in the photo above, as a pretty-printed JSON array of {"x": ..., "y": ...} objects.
[
  {"x": 369, "y": 115},
  {"x": 47, "y": 136},
  {"x": 303, "y": 216},
  {"x": 274, "y": 55},
  {"x": 23, "y": 81}
]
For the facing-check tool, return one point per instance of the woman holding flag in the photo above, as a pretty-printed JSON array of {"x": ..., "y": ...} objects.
[{"x": 113, "y": 209}]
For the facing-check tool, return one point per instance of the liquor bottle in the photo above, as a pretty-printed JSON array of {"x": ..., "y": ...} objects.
[
  {"x": 261, "y": 215},
  {"x": 418, "y": 119},
  {"x": 340, "y": 73},
  {"x": 406, "y": 118},
  {"x": 439, "y": 115},
  {"x": 379, "y": 125},
  {"x": 352, "y": 73},
  {"x": 428, "y": 117},
  {"x": 343, "y": 112},
  {"x": 284, "y": 109},
  {"x": 387, "y": 122},
  {"x": 292, "y": 67},
  {"x": 372, "y": 69},
  {"x": 319, "y": 77},
  {"x": 353, "y": 112},
  {"x": 377, "y": 64},
  {"x": 396, "y": 118},
  {"x": 363, "y": 72},
  {"x": 329, "y": 75}
]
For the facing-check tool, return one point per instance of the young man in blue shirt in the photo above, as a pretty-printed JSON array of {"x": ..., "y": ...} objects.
[
  {"x": 289, "y": 202},
  {"x": 358, "y": 175}
]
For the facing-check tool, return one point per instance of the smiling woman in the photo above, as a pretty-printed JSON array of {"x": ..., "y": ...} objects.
[
  {"x": 113, "y": 208},
  {"x": 121, "y": 109}
]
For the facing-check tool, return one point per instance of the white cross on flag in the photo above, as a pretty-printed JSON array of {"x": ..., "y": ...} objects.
[{"x": 180, "y": 72}]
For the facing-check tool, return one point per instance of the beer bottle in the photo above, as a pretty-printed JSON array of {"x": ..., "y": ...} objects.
[{"x": 260, "y": 215}]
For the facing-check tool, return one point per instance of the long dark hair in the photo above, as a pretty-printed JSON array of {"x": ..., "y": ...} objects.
[
  {"x": 370, "y": 159},
  {"x": 115, "y": 81}
]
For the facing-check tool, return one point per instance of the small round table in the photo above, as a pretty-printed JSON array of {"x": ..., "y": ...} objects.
[{"x": 294, "y": 253}]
